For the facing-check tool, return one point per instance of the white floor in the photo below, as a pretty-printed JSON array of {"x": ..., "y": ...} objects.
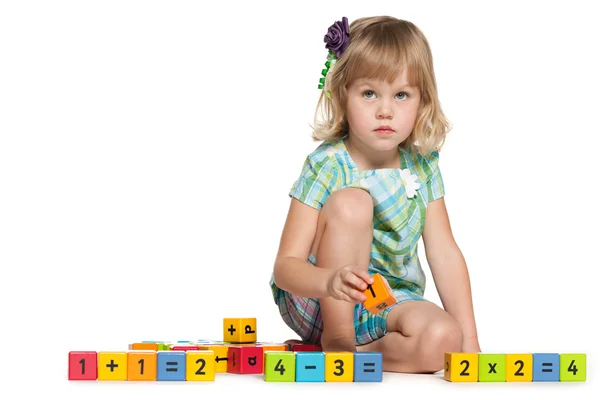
[{"x": 394, "y": 386}]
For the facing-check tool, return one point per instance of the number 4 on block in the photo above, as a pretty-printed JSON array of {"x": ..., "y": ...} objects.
[{"x": 280, "y": 366}]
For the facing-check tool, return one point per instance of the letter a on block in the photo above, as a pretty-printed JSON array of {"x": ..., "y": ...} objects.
[{"x": 379, "y": 295}]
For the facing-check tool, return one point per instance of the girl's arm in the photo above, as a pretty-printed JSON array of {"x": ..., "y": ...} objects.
[
  {"x": 449, "y": 271},
  {"x": 291, "y": 271}
]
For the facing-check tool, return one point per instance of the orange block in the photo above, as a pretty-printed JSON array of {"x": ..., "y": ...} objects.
[
  {"x": 379, "y": 295},
  {"x": 141, "y": 365},
  {"x": 275, "y": 347},
  {"x": 144, "y": 346}
]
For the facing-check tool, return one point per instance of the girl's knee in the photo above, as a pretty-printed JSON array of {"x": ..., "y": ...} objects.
[
  {"x": 349, "y": 206},
  {"x": 438, "y": 338}
]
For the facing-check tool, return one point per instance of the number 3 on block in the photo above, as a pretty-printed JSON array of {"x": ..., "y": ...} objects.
[{"x": 339, "y": 366}]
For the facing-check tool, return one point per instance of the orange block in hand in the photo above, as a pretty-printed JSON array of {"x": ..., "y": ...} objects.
[{"x": 379, "y": 295}]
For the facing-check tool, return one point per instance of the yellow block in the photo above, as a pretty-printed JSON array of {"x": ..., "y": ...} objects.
[
  {"x": 200, "y": 365},
  {"x": 112, "y": 366},
  {"x": 519, "y": 367},
  {"x": 239, "y": 330},
  {"x": 220, "y": 353},
  {"x": 461, "y": 367},
  {"x": 339, "y": 366},
  {"x": 141, "y": 365}
]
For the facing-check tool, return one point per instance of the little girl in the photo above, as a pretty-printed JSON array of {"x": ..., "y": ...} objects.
[{"x": 363, "y": 199}]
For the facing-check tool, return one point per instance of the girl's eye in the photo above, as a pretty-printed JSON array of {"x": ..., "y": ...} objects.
[{"x": 369, "y": 94}]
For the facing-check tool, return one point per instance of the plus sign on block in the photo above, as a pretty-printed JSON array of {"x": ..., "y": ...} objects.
[{"x": 239, "y": 330}]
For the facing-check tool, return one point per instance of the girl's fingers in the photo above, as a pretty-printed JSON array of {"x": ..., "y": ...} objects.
[
  {"x": 355, "y": 295},
  {"x": 355, "y": 281}
]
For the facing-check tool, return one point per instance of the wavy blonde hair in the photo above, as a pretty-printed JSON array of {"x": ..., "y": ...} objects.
[{"x": 381, "y": 48}]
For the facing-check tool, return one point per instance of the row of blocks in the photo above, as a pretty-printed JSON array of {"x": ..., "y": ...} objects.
[
  {"x": 533, "y": 367},
  {"x": 203, "y": 364}
]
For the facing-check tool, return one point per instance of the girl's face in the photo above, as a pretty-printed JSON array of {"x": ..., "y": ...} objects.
[{"x": 372, "y": 104}]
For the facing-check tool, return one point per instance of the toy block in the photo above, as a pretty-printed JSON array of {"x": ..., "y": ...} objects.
[
  {"x": 368, "y": 367},
  {"x": 220, "y": 353},
  {"x": 144, "y": 346},
  {"x": 200, "y": 365},
  {"x": 141, "y": 365},
  {"x": 519, "y": 367},
  {"x": 245, "y": 360},
  {"x": 170, "y": 365},
  {"x": 461, "y": 367},
  {"x": 573, "y": 367},
  {"x": 274, "y": 347},
  {"x": 379, "y": 295},
  {"x": 239, "y": 330},
  {"x": 546, "y": 367},
  {"x": 83, "y": 365},
  {"x": 112, "y": 366},
  {"x": 298, "y": 347},
  {"x": 339, "y": 366},
  {"x": 280, "y": 366},
  {"x": 184, "y": 347},
  {"x": 492, "y": 368},
  {"x": 310, "y": 366}
]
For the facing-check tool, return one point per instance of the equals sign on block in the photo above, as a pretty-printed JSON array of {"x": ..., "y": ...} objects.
[
  {"x": 545, "y": 365},
  {"x": 369, "y": 364},
  {"x": 170, "y": 366}
]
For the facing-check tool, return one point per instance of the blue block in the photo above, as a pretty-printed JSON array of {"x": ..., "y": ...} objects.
[
  {"x": 368, "y": 367},
  {"x": 310, "y": 366},
  {"x": 170, "y": 365},
  {"x": 546, "y": 367}
]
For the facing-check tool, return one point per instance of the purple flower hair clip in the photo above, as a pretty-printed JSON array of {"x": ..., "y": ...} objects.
[
  {"x": 336, "y": 41},
  {"x": 337, "y": 38}
]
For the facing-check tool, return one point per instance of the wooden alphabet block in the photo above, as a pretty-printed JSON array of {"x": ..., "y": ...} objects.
[
  {"x": 170, "y": 365},
  {"x": 546, "y": 367},
  {"x": 519, "y": 367},
  {"x": 339, "y": 366},
  {"x": 220, "y": 351},
  {"x": 379, "y": 295},
  {"x": 461, "y": 367},
  {"x": 572, "y": 367},
  {"x": 310, "y": 366},
  {"x": 112, "y": 366},
  {"x": 200, "y": 365},
  {"x": 368, "y": 367},
  {"x": 83, "y": 365},
  {"x": 280, "y": 366},
  {"x": 239, "y": 330},
  {"x": 245, "y": 360},
  {"x": 492, "y": 367},
  {"x": 141, "y": 365}
]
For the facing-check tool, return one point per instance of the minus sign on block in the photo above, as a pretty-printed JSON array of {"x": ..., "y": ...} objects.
[{"x": 310, "y": 367}]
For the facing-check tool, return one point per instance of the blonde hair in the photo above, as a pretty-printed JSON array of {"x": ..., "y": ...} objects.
[{"x": 381, "y": 48}]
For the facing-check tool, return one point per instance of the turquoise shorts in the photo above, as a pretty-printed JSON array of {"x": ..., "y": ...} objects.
[{"x": 303, "y": 315}]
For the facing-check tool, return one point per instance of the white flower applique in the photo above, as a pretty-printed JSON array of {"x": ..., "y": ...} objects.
[{"x": 410, "y": 183}]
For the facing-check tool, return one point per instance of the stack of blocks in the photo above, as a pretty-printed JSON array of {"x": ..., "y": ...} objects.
[{"x": 534, "y": 367}]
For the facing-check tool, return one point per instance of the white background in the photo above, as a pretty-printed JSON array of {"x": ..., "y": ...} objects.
[{"x": 147, "y": 149}]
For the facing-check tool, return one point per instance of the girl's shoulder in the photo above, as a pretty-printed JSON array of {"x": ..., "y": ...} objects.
[{"x": 426, "y": 165}]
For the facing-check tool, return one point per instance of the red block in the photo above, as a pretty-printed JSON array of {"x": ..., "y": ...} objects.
[
  {"x": 306, "y": 347},
  {"x": 83, "y": 365},
  {"x": 184, "y": 347},
  {"x": 245, "y": 359}
]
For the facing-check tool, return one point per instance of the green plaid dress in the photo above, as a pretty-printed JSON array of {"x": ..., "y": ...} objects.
[{"x": 398, "y": 222}]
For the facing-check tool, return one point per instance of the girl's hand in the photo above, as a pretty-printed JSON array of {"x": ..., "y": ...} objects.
[{"x": 348, "y": 283}]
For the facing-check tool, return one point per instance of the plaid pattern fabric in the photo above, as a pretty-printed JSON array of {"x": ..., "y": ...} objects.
[{"x": 397, "y": 220}]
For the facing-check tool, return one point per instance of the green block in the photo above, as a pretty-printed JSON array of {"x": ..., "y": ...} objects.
[
  {"x": 572, "y": 367},
  {"x": 492, "y": 367},
  {"x": 280, "y": 366}
]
